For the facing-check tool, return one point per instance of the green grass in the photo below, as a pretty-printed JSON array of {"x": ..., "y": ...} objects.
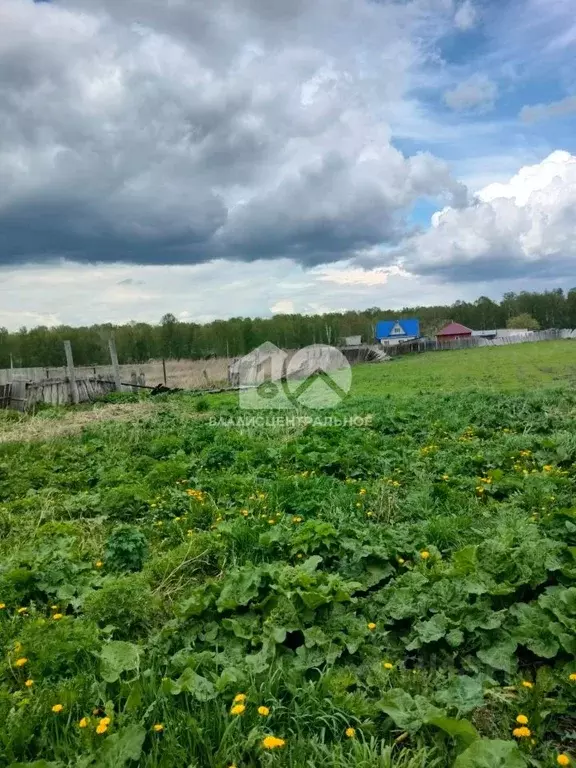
[
  {"x": 402, "y": 579},
  {"x": 515, "y": 366}
]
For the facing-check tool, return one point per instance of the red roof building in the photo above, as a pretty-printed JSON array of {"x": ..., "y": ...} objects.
[{"x": 453, "y": 331}]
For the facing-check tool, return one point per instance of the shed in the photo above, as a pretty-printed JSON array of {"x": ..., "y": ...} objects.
[
  {"x": 453, "y": 331},
  {"x": 391, "y": 332}
]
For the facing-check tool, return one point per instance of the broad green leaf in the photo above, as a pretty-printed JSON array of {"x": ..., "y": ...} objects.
[
  {"x": 463, "y": 730},
  {"x": 407, "y": 712},
  {"x": 500, "y": 655},
  {"x": 120, "y": 748},
  {"x": 464, "y": 694},
  {"x": 190, "y": 682},
  {"x": 240, "y": 588},
  {"x": 117, "y": 657},
  {"x": 491, "y": 753}
]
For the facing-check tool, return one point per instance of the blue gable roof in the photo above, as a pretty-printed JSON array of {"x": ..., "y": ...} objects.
[{"x": 384, "y": 328}]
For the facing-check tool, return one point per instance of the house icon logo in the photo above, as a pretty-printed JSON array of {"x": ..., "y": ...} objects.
[{"x": 317, "y": 376}]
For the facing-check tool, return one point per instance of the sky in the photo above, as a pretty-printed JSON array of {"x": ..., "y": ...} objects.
[{"x": 254, "y": 157}]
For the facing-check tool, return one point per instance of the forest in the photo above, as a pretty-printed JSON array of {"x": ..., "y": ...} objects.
[{"x": 138, "y": 342}]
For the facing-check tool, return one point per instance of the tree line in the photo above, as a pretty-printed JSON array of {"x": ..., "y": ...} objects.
[{"x": 140, "y": 342}]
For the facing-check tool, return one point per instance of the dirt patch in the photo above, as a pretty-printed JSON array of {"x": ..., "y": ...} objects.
[{"x": 42, "y": 427}]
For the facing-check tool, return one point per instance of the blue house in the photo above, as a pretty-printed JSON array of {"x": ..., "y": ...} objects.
[{"x": 391, "y": 332}]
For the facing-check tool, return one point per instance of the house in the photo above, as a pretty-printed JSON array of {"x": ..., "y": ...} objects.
[
  {"x": 392, "y": 332},
  {"x": 454, "y": 331}
]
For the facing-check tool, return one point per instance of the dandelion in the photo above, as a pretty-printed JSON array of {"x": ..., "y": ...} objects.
[
  {"x": 522, "y": 719},
  {"x": 297, "y": 519},
  {"x": 101, "y": 728},
  {"x": 22, "y": 610},
  {"x": 480, "y": 489},
  {"x": 424, "y": 554},
  {"x": 563, "y": 759},
  {"x": 445, "y": 477},
  {"x": 400, "y": 560},
  {"x": 350, "y": 732},
  {"x": 522, "y": 732},
  {"x": 57, "y": 616},
  {"x": 238, "y": 709},
  {"x": 547, "y": 468},
  {"x": 53, "y": 607},
  {"x": 371, "y": 626},
  {"x": 2, "y": 606},
  {"x": 105, "y": 721},
  {"x": 20, "y": 662},
  {"x": 83, "y": 723},
  {"x": 527, "y": 684},
  {"x": 388, "y": 665},
  {"x": 98, "y": 563},
  {"x": 362, "y": 491},
  {"x": 29, "y": 683},
  {"x": 158, "y": 728},
  {"x": 572, "y": 677},
  {"x": 264, "y": 711},
  {"x": 272, "y": 742},
  {"x": 57, "y": 708}
]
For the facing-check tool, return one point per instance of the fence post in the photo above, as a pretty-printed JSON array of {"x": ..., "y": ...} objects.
[
  {"x": 134, "y": 381},
  {"x": 115, "y": 365},
  {"x": 71, "y": 374},
  {"x": 164, "y": 370}
]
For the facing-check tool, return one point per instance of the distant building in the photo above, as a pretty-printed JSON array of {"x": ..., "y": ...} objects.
[
  {"x": 352, "y": 341},
  {"x": 454, "y": 331},
  {"x": 500, "y": 333},
  {"x": 392, "y": 332}
]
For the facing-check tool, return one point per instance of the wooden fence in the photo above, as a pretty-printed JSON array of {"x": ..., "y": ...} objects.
[{"x": 26, "y": 395}]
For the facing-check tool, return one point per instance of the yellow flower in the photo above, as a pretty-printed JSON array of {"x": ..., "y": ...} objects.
[
  {"x": 237, "y": 709},
  {"x": 22, "y": 610},
  {"x": 101, "y": 728},
  {"x": 572, "y": 677},
  {"x": 424, "y": 554},
  {"x": 98, "y": 563},
  {"x": 388, "y": 665},
  {"x": 57, "y": 708},
  {"x": 547, "y": 468},
  {"x": 522, "y": 732},
  {"x": 480, "y": 489},
  {"x": 105, "y": 721},
  {"x": 2, "y": 606},
  {"x": 158, "y": 728},
  {"x": 563, "y": 759},
  {"x": 371, "y": 626},
  {"x": 445, "y": 477},
  {"x": 400, "y": 560},
  {"x": 522, "y": 719},
  {"x": 271, "y": 742},
  {"x": 362, "y": 491},
  {"x": 240, "y": 698},
  {"x": 264, "y": 711},
  {"x": 29, "y": 683},
  {"x": 57, "y": 616},
  {"x": 83, "y": 723},
  {"x": 21, "y": 662},
  {"x": 527, "y": 684},
  {"x": 350, "y": 732}
]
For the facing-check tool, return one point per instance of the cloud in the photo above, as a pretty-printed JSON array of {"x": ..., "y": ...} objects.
[
  {"x": 477, "y": 93},
  {"x": 201, "y": 131},
  {"x": 283, "y": 307},
  {"x": 466, "y": 16},
  {"x": 519, "y": 228},
  {"x": 531, "y": 114}
]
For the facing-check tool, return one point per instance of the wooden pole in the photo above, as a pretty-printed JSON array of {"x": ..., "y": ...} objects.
[
  {"x": 115, "y": 365},
  {"x": 164, "y": 370},
  {"x": 134, "y": 381},
  {"x": 71, "y": 374}
]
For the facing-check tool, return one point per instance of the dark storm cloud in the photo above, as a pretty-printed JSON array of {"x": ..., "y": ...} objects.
[{"x": 135, "y": 130}]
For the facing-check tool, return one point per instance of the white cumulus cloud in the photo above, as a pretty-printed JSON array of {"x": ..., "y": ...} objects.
[{"x": 527, "y": 222}]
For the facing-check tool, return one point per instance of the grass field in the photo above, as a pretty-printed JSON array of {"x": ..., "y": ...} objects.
[{"x": 179, "y": 591}]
